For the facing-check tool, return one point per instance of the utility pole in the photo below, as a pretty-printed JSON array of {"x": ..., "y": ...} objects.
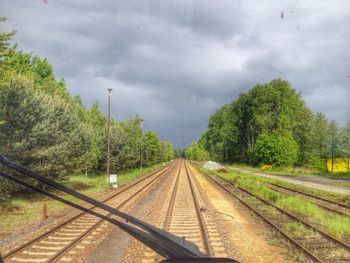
[
  {"x": 108, "y": 131},
  {"x": 141, "y": 141}
]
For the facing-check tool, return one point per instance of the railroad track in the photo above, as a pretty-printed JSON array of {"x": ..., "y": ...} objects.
[
  {"x": 330, "y": 205},
  {"x": 54, "y": 244},
  {"x": 184, "y": 214},
  {"x": 314, "y": 243}
]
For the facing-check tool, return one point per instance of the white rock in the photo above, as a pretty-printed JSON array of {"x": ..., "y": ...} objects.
[{"x": 212, "y": 165}]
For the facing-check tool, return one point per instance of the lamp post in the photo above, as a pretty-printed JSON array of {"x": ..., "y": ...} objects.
[
  {"x": 108, "y": 130},
  {"x": 141, "y": 145}
]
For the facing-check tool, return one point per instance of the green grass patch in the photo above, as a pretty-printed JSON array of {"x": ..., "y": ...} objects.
[{"x": 25, "y": 208}]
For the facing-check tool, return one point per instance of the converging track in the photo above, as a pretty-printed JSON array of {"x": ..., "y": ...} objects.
[
  {"x": 315, "y": 243},
  {"x": 71, "y": 236}
]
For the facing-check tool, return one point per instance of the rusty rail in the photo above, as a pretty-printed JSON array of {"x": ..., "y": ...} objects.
[{"x": 200, "y": 216}]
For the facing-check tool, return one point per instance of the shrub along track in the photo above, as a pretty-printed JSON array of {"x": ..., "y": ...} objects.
[
  {"x": 330, "y": 205},
  {"x": 183, "y": 213},
  {"x": 316, "y": 244},
  {"x": 55, "y": 243}
]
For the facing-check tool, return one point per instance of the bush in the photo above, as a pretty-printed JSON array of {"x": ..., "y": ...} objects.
[
  {"x": 5, "y": 190},
  {"x": 276, "y": 149},
  {"x": 196, "y": 152},
  {"x": 266, "y": 167},
  {"x": 315, "y": 162}
]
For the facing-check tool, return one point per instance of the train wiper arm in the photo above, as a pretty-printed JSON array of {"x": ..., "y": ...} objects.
[{"x": 163, "y": 242}]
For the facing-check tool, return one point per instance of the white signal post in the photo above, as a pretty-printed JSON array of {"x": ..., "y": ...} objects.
[{"x": 113, "y": 179}]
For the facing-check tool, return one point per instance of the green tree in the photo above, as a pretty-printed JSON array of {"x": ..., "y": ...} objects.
[
  {"x": 46, "y": 129},
  {"x": 6, "y": 51},
  {"x": 96, "y": 124},
  {"x": 275, "y": 106},
  {"x": 152, "y": 147},
  {"x": 39, "y": 131},
  {"x": 132, "y": 128},
  {"x": 276, "y": 148},
  {"x": 196, "y": 152},
  {"x": 220, "y": 135},
  {"x": 333, "y": 142},
  {"x": 40, "y": 71},
  {"x": 345, "y": 143},
  {"x": 319, "y": 153},
  {"x": 119, "y": 149},
  {"x": 167, "y": 151},
  {"x": 6, "y": 48}
]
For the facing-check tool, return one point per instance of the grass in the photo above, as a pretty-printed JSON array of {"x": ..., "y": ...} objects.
[
  {"x": 325, "y": 194},
  {"x": 26, "y": 208},
  {"x": 332, "y": 223}
]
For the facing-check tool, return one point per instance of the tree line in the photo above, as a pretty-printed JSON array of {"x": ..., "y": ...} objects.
[
  {"x": 271, "y": 124},
  {"x": 51, "y": 132}
]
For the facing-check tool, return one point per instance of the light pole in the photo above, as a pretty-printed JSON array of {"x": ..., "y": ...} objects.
[
  {"x": 141, "y": 145},
  {"x": 108, "y": 130}
]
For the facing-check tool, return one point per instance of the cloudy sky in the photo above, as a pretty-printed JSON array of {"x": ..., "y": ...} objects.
[{"x": 175, "y": 62}]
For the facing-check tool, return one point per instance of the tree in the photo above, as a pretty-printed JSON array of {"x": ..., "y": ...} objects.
[
  {"x": 220, "y": 134},
  {"x": 345, "y": 143},
  {"x": 318, "y": 157},
  {"x": 152, "y": 146},
  {"x": 167, "y": 151},
  {"x": 6, "y": 50},
  {"x": 40, "y": 71},
  {"x": 196, "y": 152},
  {"x": 277, "y": 148},
  {"x": 96, "y": 123},
  {"x": 39, "y": 131},
  {"x": 119, "y": 148},
  {"x": 333, "y": 141},
  {"x": 5, "y": 47},
  {"x": 266, "y": 108},
  {"x": 49, "y": 131}
]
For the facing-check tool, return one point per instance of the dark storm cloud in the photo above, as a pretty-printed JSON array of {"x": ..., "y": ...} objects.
[{"x": 175, "y": 62}]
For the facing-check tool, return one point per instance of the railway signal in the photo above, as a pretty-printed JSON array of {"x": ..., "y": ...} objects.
[{"x": 113, "y": 179}]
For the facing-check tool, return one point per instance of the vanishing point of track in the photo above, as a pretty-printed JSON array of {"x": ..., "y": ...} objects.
[{"x": 54, "y": 243}]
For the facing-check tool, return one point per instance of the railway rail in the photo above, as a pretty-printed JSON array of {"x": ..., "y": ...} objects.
[
  {"x": 184, "y": 214},
  {"x": 330, "y": 205},
  {"x": 53, "y": 244},
  {"x": 314, "y": 243}
]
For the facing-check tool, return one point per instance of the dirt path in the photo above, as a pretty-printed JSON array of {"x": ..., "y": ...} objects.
[
  {"x": 326, "y": 184},
  {"x": 243, "y": 231}
]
